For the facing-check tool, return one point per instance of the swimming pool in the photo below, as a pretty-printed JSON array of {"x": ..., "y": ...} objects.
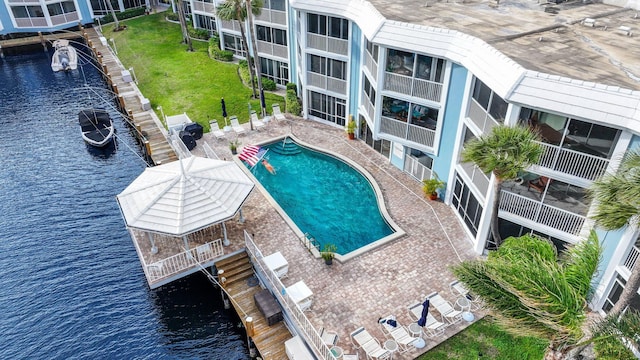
[{"x": 326, "y": 197}]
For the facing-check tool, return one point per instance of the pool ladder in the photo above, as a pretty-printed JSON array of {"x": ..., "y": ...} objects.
[{"x": 310, "y": 242}]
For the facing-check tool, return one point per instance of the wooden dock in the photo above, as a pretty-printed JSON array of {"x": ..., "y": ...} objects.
[
  {"x": 45, "y": 40},
  {"x": 269, "y": 340},
  {"x": 149, "y": 128}
]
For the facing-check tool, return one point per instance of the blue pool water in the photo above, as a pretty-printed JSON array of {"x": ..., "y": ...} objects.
[
  {"x": 71, "y": 285},
  {"x": 324, "y": 196}
]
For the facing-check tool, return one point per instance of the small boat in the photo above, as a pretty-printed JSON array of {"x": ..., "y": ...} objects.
[
  {"x": 65, "y": 57},
  {"x": 97, "y": 127}
]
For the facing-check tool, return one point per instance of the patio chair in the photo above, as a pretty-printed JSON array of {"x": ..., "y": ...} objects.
[
  {"x": 329, "y": 338},
  {"x": 277, "y": 113},
  {"x": 256, "y": 122},
  {"x": 432, "y": 326},
  {"x": 391, "y": 327},
  {"x": 539, "y": 184},
  {"x": 445, "y": 308},
  {"x": 215, "y": 129},
  {"x": 361, "y": 339},
  {"x": 459, "y": 290},
  {"x": 235, "y": 125}
]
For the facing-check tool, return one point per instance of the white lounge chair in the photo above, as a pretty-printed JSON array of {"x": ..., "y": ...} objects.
[
  {"x": 399, "y": 333},
  {"x": 459, "y": 290},
  {"x": 361, "y": 339},
  {"x": 277, "y": 113},
  {"x": 432, "y": 326},
  {"x": 215, "y": 129},
  {"x": 329, "y": 338},
  {"x": 445, "y": 308},
  {"x": 256, "y": 122},
  {"x": 235, "y": 125}
]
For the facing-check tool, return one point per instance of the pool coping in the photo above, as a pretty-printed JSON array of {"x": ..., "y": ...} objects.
[{"x": 398, "y": 231}]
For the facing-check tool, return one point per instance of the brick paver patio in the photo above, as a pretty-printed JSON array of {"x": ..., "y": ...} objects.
[{"x": 381, "y": 282}]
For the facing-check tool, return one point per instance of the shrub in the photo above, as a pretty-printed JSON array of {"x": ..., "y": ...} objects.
[
  {"x": 268, "y": 84},
  {"x": 172, "y": 16},
  {"x": 292, "y": 103},
  {"x": 123, "y": 15},
  {"x": 243, "y": 63},
  {"x": 223, "y": 55},
  {"x": 202, "y": 34},
  {"x": 292, "y": 86}
]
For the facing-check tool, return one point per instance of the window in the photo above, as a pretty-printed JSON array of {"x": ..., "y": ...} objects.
[
  {"x": 317, "y": 24},
  {"x": 327, "y": 108},
  {"x": 280, "y": 37},
  {"x": 276, "y": 36},
  {"x": 372, "y": 50},
  {"x": 263, "y": 33},
  {"x": 276, "y": 5},
  {"x": 330, "y": 67},
  {"x": 490, "y": 101},
  {"x": 337, "y": 27},
  {"x": 275, "y": 70},
  {"x": 369, "y": 90},
  {"x": 467, "y": 205},
  {"x": 614, "y": 294}
]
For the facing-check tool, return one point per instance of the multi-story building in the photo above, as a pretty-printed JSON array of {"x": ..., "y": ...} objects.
[{"x": 423, "y": 77}]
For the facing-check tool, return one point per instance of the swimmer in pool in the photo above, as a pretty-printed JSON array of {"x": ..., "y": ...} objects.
[{"x": 269, "y": 167}]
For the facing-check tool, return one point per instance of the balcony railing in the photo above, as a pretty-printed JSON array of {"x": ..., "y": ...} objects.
[
  {"x": 273, "y": 16},
  {"x": 273, "y": 283},
  {"x": 480, "y": 117},
  {"x": 325, "y": 82},
  {"x": 401, "y": 129},
  {"x": 632, "y": 258},
  {"x": 64, "y": 18},
  {"x": 478, "y": 178},
  {"x": 230, "y": 25},
  {"x": 407, "y": 85},
  {"x": 272, "y": 49},
  {"x": 31, "y": 22},
  {"x": 182, "y": 261},
  {"x": 572, "y": 162},
  {"x": 327, "y": 43},
  {"x": 206, "y": 7},
  {"x": 418, "y": 170},
  {"x": 371, "y": 64},
  {"x": 543, "y": 214},
  {"x": 370, "y": 109}
]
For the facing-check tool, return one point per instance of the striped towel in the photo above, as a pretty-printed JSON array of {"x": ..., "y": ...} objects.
[{"x": 250, "y": 154}]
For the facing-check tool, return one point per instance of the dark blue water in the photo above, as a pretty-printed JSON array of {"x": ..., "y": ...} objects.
[
  {"x": 71, "y": 285},
  {"x": 325, "y": 197}
]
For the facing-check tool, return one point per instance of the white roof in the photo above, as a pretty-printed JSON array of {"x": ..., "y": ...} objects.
[{"x": 178, "y": 200}]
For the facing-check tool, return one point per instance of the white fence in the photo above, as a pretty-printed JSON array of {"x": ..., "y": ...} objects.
[
  {"x": 182, "y": 261},
  {"x": 290, "y": 307},
  {"x": 413, "y": 166}
]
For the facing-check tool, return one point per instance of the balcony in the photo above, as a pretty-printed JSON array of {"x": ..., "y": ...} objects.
[
  {"x": 329, "y": 44},
  {"x": 418, "y": 170},
  {"x": 480, "y": 117},
  {"x": 548, "y": 212},
  {"x": 371, "y": 65},
  {"x": 273, "y": 49},
  {"x": 272, "y": 16},
  {"x": 479, "y": 179},
  {"x": 31, "y": 22},
  {"x": 401, "y": 129},
  {"x": 424, "y": 89},
  {"x": 230, "y": 25},
  {"x": 572, "y": 162},
  {"x": 186, "y": 261},
  {"x": 370, "y": 109},
  {"x": 328, "y": 83},
  {"x": 205, "y": 7},
  {"x": 64, "y": 18}
]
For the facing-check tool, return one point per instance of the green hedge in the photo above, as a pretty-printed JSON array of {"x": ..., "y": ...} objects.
[
  {"x": 172, "y": 16},
  {"x": 292, "y": 103},
  {"x": 123, "y": 15},
  {"x": 292, "y": 86},
  {"x": 216, "y": 53},
  {"x": 202, "y": 34},
  {"x": 268, "y": 84}
]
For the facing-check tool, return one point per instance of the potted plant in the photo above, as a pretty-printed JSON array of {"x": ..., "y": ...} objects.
[
  {"x": 351, "y": 128},
  {"x": 233, "y": 146},
  {"x": 431, "y": 187},
  {"x": 328, "y": 253}
]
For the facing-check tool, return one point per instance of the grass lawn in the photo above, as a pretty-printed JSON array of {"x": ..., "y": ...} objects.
[
  {"x": 178, "y": 80},
  {"x": 486, "y": 340}
]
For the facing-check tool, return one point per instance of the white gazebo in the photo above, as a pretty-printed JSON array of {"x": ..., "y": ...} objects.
[{"x": 183, "y": 197}]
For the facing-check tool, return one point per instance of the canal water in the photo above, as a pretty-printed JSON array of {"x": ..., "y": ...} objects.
[{"x": 71, "y": 285}]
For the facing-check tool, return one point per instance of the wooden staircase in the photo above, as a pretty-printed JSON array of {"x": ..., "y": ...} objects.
[{"x": 269, "y": 340}]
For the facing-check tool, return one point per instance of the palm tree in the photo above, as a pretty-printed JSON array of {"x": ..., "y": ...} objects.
[
  {"x": 535, "y": 292},
  {"x": 617, "y": 198},
  {"x": 183, "y": 25},
  {"x": 237, "y": 10},
  {"x": 622, "y": 329},
  {"x": 505, "y": 151}
]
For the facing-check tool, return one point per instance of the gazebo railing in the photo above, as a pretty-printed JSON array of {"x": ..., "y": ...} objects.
[{"x": 182, "y": 261}]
